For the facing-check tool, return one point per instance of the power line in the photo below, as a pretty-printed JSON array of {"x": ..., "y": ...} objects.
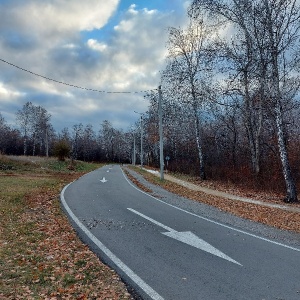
[{"x": 71, "y": 85}]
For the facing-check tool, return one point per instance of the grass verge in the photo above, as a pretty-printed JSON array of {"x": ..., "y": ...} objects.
[{"x": 41, "y": 256}]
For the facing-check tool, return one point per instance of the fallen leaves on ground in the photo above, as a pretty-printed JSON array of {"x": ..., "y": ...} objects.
[
  {"x": 275, "y": 217},
  {"x": 44, "y": 258}
]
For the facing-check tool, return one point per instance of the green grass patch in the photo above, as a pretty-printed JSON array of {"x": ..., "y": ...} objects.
[
  {"x": 80, "y": 263},
  {"x": 69, "y": 166},
  {"x": 42, "y": 165},
  {"x": 68, "y": 279},
  {"x": 21, "y": 207}
]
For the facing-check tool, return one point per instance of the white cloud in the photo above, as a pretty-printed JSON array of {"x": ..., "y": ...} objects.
[
  {"x": 45, "y": 37},
  {"x": 70, "y": 46},
  {"x": 8, "y": 94},
  {"x": 95, "y": 45},
  {"x": 65, "y": 15},
  {"x": 132, "y": 9},
  {"x": 138, "y": 48}
]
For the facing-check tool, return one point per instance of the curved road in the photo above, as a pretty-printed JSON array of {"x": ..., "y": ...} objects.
[{"x": 165, "y": 252}]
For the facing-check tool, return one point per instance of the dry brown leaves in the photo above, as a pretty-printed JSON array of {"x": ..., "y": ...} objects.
[
  {"x": 137, "y": 183},
  {"x": 48, "y": 261},
  {"x": 270, "y": 216}
]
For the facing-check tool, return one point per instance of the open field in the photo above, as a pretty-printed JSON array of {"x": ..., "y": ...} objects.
[{"x": 41, "y": 256}]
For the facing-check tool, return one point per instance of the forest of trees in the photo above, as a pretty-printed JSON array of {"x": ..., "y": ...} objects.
[
  {"x": 230, "y": 102},
  {"x": 36, "y": 136},
  {"x": 232, "y": 81}
]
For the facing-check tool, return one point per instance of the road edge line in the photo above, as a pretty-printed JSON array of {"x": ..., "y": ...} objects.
[
  {"x": 211, "y": 221},
  {"x": 134, "y": 277}
]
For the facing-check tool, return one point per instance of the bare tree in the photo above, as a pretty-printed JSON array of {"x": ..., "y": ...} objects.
[
  {"x": 271, "y": 32},
  {"x": 282, "y": 21},
  {"x": 188, "y": 72},
  {"x": 106, "y": 136},
  {"x": 89, "y": 143},
  {"x": 35, "y": 125},
  {"x": 76, "y": 141},
  {"x": 24, "y": 119},
  {"x": 243, "y": 66},
  {"x": 4, "y": 131},
  {"x": 41, "y": 129}
]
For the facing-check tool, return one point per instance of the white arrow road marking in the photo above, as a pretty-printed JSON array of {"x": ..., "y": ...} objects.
[
  {"x": 103, "y": 180},
  {"x": 188, "y": 237},
  {"x": 134, "y": 277}
]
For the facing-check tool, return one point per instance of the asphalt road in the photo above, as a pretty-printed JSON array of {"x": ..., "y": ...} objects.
[{"x": 165, "y": 252}]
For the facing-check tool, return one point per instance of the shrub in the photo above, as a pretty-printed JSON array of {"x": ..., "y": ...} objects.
[{"x": 61, "y": 150}]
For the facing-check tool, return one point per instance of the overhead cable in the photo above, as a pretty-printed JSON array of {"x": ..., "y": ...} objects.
[{"x": 72, "y": 85}]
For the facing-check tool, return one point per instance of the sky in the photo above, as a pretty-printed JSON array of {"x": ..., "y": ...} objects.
[{"x": 111, "y": 46}]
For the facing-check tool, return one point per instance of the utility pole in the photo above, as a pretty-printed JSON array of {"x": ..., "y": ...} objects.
[
  {"x": 142, "y": 141},
  {"x": 141, "y": 124},
  {"x": 134, "y": 152},
  {"x": 161, "y": 145}
]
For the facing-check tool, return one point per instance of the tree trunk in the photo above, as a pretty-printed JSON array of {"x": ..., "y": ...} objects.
[
  {"x": 25, "y": 145},
  {"x": 199, "y": 146},
  {"x": 253, "y": 138},
  {"x": 47, "y": 144},
  {"x": 34, "y": 144},
  {"x": 291, "y": 192}
]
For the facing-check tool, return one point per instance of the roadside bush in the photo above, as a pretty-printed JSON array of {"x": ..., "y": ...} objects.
[{"x": 61, "y": 150}]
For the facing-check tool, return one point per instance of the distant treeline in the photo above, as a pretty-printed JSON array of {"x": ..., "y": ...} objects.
[{"x": 230, "y": 103}]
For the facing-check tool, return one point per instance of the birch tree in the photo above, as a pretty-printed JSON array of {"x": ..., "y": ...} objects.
[
  {"x": 282, "y": 21},
  {"x": 106, "y": 137},
  {"x": 272, "y": 27},
  {"x": 188, "y": 71},
  {"x": 25, "y": 120},
  {"x": 244, "y": 66},
  {"x": 77, "y": 135},
  {"x": 36, "y": 128},
  {"x": 41, "y": 128},
  {"x": 89, "y": 143}
]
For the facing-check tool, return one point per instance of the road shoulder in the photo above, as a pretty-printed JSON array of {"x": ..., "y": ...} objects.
[{"x": 271, "y": 223}]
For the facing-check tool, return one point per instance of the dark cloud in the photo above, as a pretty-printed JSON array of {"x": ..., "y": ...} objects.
[{"x": 17, "y": 41}]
